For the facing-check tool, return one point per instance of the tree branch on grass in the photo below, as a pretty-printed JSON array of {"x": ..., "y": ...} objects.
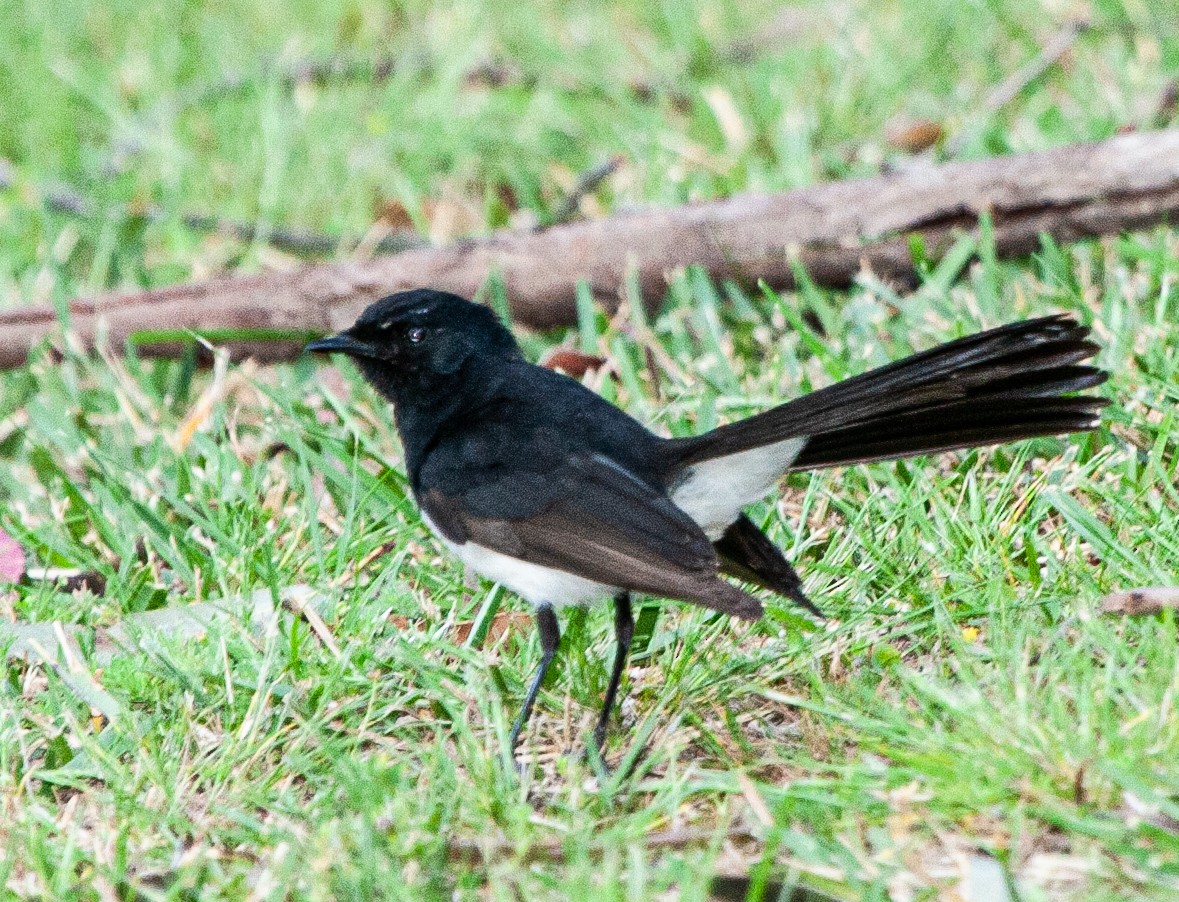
[{"x": 833, "y": 231}]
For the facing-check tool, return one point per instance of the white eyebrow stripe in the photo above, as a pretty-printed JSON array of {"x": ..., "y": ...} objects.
[{"x": 393, "y": 321}]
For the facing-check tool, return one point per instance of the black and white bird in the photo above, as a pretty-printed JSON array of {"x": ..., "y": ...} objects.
[{"x": 539, "y": 484}]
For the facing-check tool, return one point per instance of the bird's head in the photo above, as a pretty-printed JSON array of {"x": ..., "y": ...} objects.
[{"x": 415, "y": 340}]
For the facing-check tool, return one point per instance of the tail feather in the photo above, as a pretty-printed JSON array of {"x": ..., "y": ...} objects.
[
  {"x": 948, "y": 427},
  {"x": 995, "y": 386},
  {"x": 747, "y": 553}
]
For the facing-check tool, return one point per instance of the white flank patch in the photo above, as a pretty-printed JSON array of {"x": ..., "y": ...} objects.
[
  {"x": 532, "y": 582},
  {"x": 714, "y": 492}
]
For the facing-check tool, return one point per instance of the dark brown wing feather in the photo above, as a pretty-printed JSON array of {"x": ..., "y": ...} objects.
[{"x": 600, "y": 522}]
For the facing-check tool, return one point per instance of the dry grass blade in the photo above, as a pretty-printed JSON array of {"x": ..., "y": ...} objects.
[
  {"x": 756, "y": 803},
  {"x": 203, "y": 408},
  {"x": 298, "y": 600}
]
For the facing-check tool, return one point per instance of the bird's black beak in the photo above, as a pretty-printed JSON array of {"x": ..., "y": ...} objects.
[{"x": 343, "y": 344}]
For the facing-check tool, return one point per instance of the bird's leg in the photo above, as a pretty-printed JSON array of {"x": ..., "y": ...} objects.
[
  {"x": 550, "y": 638},
  {"x": 624, "y": 631}
]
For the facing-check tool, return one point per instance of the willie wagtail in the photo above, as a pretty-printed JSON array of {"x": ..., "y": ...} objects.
[{"x": 539, "y": 484}]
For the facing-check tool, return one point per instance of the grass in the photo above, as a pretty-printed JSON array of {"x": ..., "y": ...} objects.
[{"x": 967, "y": 696}]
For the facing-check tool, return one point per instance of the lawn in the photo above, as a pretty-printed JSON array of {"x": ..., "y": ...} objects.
[{"x": 968, "y": 701}]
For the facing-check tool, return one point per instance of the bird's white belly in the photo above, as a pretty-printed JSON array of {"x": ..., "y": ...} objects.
[{"x": 533, "y": 582}]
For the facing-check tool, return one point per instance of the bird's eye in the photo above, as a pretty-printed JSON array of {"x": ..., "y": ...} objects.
[{"x": 416, "y": 334}]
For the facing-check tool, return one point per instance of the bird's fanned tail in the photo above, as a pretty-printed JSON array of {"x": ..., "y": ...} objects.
[{"x": 1008, "y": 383}]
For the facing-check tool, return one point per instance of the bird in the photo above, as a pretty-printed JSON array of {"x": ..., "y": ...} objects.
[{"x": 538, "y": 483}]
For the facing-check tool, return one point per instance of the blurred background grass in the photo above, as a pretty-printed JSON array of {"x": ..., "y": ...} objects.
[{"x": 470, "y": 113}]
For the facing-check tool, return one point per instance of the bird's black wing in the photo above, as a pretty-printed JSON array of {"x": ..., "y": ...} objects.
[{"x": 577, "y": 512}]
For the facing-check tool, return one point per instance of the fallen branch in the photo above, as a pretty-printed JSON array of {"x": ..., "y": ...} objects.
[{"x": 832, "y": 230}]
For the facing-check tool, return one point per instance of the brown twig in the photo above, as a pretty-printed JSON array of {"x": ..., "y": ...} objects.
[
  {"x": 64, "y": 199},
  {"x": 835, "y": 231},
  {"x": 1021, "y": 79},
  {"x": 350, "y": 576},
  {"x": 474, "y": 851},
  {"x": 725, "y": 886},
  {"x": 586, "y": 184}
]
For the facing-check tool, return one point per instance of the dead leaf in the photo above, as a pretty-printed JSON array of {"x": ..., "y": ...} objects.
[
  {"x": 12, "y": 559},
  {"x": 1136, "y": 602},
  {"x": 393, "y": 213},
  {"x": 402, "y": 623},
  {"x": 913, "y": 135},
  {"x": 508, "y": 197},
  {"x": 572, "y": 362},
  {"x": 501, "y": 624}
]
